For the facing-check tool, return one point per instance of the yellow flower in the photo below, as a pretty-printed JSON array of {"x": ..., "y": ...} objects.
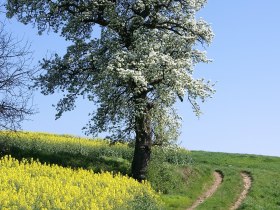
[{"x": 32, "y": 185}]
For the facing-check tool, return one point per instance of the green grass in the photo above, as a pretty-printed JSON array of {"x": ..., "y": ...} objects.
[
  {"x": 176, "y": 183},
  {"x": 264, "y": 170},
  {"x": 195, "y": 181},
  {"x": 178, "y": 175}
]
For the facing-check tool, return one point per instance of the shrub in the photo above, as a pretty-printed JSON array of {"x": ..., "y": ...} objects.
[{"x": 165, "y": 178}]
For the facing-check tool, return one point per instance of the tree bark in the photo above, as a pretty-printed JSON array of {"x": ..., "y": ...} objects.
[{"x": 143, "y": 144}]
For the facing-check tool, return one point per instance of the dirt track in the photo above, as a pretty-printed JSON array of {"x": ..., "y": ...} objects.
[
  {"x": 247, "y": 180},
  {"x": 218, "y": 180},
  {"x": 247, "y": 185}
]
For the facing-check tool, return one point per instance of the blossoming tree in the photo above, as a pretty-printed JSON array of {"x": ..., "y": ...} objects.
[{"x": 134, "y": 72}]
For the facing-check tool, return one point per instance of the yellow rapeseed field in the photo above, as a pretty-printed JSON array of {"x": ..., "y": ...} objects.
[
  {"x": 51, "y": 143},
  {"x": 32, "y": 185}
]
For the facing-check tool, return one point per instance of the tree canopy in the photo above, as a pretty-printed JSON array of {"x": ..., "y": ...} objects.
[{"x": 135, "y": 71}]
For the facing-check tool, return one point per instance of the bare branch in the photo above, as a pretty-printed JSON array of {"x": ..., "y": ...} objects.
[{"x": 15, "y": 77}]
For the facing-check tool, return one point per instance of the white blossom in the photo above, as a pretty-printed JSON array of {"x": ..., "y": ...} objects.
[{"x": 143, "y": 62}]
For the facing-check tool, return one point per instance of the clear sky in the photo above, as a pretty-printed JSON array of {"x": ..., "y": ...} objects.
[{"x": 242, "y": 117}]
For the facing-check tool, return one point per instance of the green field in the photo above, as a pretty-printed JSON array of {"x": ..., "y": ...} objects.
[
  {"x": 179, "y": 176},
  {"x": 265, "y": 173}
]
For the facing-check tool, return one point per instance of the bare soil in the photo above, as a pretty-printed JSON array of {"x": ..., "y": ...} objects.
[{"x": 247, "y": 180}]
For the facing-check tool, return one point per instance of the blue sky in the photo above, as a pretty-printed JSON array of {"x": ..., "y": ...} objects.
[{"x": 242, "y": 117}]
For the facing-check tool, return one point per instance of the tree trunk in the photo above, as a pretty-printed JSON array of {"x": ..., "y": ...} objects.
[{"x": 143, "y": 146}]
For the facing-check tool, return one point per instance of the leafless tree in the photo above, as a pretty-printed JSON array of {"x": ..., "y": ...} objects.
[{"x": 15, "y": 80}]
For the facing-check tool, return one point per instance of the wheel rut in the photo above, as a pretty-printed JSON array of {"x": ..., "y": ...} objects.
[
  {"x": 218, "y": 180},
  {"x": 247, "y": 183},
  {"x": 247, "y": 180}
]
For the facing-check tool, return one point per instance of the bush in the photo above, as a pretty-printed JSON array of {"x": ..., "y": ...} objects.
[
  {"x": 171, "y": 154},
  {"x": 165, "y": 178}
]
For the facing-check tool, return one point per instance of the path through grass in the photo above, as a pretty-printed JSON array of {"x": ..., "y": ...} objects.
[{"x": 265, "y": 172}]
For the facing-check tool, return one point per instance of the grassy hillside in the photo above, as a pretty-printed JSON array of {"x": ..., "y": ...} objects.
[
  {"x": 265, "y": 173},
  {"x": 179, "y": 176}
]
